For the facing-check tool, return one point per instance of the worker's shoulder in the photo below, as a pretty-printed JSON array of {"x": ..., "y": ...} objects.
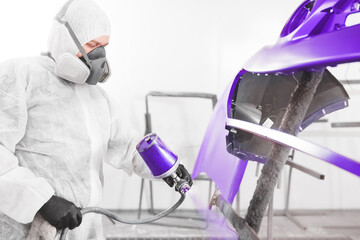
[
  {"x": 20, "y": 73},
  {"x": 17, "y": 66}
]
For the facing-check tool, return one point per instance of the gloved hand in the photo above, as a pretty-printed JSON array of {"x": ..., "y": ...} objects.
[
  {"x": 61, "y": 213},
  {"x": 182, "y": 173}
]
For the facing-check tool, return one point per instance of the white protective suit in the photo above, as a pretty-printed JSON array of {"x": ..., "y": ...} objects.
[{"x": 55, "y": 134}]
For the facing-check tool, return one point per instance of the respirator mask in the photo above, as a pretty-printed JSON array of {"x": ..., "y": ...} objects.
[
  {"x": 91, "y": 68},
  {"x": 99, "y": 68}
]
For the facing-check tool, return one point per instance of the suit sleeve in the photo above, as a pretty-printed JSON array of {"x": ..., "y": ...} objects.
[
  {"x": 122, "y": 153},
  {"x": 22, "y": 193}
]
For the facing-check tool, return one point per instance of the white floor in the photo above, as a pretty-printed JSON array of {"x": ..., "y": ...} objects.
[{"x": 320, "y": 225}]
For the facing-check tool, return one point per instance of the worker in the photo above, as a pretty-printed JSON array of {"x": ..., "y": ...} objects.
[{"x": 57, "y": 126}]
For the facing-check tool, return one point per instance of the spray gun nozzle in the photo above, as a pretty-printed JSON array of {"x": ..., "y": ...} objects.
[{"x": 181, "y": 185}]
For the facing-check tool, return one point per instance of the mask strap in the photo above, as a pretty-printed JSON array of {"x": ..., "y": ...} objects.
[
  {"x": 48, "y": 54},
  {"x": 64, "y": 9},
  {"x": 58, "y": 18}
]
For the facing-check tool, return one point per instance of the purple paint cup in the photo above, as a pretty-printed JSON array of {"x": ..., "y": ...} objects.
[{"x": 157, "y": 156}]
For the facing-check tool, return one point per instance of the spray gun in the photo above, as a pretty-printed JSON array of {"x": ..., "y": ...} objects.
[{"x": 161, "y": 161}]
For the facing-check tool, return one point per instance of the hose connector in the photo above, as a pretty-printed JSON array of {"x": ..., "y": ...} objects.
[{"x": 181, "y": 185}]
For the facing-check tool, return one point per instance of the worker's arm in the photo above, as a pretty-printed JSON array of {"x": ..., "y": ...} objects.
[
  {"x": 122, "y": 152},
  {"x": 22, "y": 193}
]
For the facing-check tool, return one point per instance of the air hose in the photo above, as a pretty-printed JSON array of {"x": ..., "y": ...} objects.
[{"x": 119, "y": 219}]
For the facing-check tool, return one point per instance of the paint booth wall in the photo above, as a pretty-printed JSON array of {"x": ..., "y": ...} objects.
[{"x": 192, "y": 46}]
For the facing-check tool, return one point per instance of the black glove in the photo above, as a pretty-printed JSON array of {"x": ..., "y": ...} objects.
[
  {"x": 182, "y": 173},
  {"x": 61, "y": 213}
]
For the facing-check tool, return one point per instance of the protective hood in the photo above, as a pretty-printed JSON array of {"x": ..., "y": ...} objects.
[{"x": 87, "y": 20}]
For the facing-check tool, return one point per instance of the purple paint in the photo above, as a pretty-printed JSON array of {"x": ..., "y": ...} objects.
[
  {"x": 232, "y": 90},
  {"x": 223, "y": 168},
  {"x": 307, "y": 147},
  {"x": 345, "y": 163},
  {"x": 157, "y": 156},
  {"x": 315, "y": 36},
  {"x": 312, "y": 39}
]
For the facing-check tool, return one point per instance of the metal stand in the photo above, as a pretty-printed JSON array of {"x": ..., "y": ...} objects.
[
  {"x": 287, "y": 213},
  {"x": 350, "y": 82},
  {"x": 270, "y": 219},
  {"x": 238, "y": 202},
  {"x": 240, "y": 225},
  {"x": 148, "y": 129},
  {"x": 345, "y": 125}
]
